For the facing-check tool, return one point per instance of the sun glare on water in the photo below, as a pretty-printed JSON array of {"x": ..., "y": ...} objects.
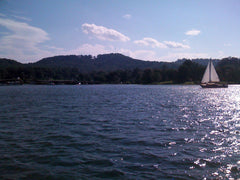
[{"x": 226, "y": 134}]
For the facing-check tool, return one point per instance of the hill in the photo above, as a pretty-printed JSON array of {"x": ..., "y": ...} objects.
[
  {"x": 116, "y": 68},
  {"x": 111, "y": 62},
  {"x": 9, "y": 63},
  {"x": 105, "y": 62}
]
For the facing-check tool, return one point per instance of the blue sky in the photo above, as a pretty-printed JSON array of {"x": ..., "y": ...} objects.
[{"x": 154, "y": 30}]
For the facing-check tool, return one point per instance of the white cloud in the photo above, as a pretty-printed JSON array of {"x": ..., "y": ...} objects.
[
  {"x": 193, "y": 32},
  {"x": 150, "y": 42},
  {"x": 22, "y": 40},
  {"x": 172, "y": 44},
  {"x": 156, "y": 44},
  {"x": 127, "y": 16},
  {"x": 23, "y": 31},
  {"x": 104, "y": 33}
]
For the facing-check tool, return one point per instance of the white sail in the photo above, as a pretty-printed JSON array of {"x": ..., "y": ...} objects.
[
  {"x": 205, "y": 78},
  {"x": 210, "y": 74},
  {"x": 214, "y": 76}
]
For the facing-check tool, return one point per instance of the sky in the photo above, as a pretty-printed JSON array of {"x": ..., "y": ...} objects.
[{"x": 152, "y": 30}]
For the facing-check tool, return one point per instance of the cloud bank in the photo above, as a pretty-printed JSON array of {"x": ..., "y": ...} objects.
[{"x": 104, "y": 33}]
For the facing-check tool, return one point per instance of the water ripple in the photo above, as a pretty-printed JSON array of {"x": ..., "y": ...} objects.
[{"x": 119, "y": 132}]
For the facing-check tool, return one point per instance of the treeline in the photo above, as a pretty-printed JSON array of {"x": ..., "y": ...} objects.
[
  {"x": 228, "y": 70},
  {"x": 189, "y": 71},
  {"x": 39, "y": 73}
]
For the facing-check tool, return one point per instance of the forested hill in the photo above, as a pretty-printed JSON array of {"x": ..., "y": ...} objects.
[
  {"x": 106, "y": 63},
  {"x": 117, "y": 68},
  {"x": 9, "y": 63}
]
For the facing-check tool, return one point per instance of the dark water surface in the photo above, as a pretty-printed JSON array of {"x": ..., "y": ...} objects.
[{"x": 119, "y": 132}]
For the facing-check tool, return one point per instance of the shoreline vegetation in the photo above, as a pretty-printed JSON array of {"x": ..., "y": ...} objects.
[
  {"x": 114, "y": 69},
  {"x": 75, "y": 82}
]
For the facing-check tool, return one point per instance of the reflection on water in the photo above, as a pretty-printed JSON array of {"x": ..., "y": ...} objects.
[
  {"x": 223, "y": 112},
  {"x": 119, "y": 131}
]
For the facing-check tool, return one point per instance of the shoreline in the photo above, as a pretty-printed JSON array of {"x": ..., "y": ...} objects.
[{"x": 69, "y": 82}]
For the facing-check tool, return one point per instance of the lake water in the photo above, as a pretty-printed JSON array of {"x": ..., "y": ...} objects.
[{"x": 119, "y": 132}]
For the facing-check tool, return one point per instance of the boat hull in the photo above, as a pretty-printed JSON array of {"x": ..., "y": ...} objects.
[{"x": 214, "y": 85}]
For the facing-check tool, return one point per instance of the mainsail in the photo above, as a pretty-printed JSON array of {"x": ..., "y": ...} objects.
[{"x": 210, "y": 74}]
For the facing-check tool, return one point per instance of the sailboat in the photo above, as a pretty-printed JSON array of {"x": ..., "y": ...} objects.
[{"x": 210, "y": 78}]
